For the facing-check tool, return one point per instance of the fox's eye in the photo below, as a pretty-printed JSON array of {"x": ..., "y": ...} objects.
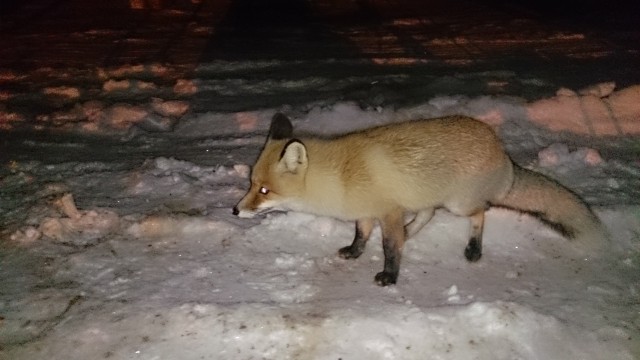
[{"x": 264, "y": 190}]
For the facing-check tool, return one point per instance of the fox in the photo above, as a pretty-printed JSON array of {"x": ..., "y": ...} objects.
[{"x": 383, "y": 174}]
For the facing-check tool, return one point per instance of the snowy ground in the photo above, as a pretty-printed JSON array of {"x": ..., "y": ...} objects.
[{"x": 117, "y": 182}]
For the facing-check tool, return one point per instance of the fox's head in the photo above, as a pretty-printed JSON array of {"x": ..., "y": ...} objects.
[{"x": 278, "y": 177}]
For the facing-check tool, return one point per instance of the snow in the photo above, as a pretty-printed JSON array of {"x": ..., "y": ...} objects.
[
  {"x": 162, "y": 269},
  {"x": 117, "y": 182},
  {"x": 596, "y": 111}
]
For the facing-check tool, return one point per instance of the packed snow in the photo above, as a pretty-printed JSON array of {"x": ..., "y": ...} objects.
[{"x": 127, "y": 135}]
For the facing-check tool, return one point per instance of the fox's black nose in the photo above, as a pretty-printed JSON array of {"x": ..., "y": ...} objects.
[{"x": 235, "y": 210}]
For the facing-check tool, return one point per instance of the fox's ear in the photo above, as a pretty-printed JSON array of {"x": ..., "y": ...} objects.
[
  {"x": 281, "y": 127},
  {"x": 293, "y": 157}
]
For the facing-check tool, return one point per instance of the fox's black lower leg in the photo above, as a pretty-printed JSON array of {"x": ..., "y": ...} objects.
[
  {"x": 473, "y": 251},
  {"x": 393, "y": 237},
  {"x": 363, "y": 231}
]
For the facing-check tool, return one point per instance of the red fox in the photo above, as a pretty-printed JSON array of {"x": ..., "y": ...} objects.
[{"x": 381, "y": 174}]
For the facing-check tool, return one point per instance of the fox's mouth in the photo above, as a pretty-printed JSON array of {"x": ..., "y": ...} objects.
[{"x": 248, "y": 214}]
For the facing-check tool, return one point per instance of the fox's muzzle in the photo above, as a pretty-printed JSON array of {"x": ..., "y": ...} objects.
[{"x": 243, "y": 213}]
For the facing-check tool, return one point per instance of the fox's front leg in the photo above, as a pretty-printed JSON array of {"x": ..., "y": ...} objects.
[
  {"x": 393, "y": 236},
  {"x": 364, "y": 227}
]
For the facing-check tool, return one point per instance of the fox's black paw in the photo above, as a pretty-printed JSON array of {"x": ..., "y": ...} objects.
[
  {"x": 473, "y": 251},
  {"x": 385, "y": 278},
  {"x": 349, "y": 252}
]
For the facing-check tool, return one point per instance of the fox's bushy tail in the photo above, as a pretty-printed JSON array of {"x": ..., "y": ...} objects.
[{"x": 556, "y": 206}]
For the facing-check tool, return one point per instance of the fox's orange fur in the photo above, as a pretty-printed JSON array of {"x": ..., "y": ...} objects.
[{"x": 380, "y": 174}]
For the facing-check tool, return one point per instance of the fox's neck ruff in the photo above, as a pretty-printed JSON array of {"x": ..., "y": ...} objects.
[{"x": 324, "y": 187}]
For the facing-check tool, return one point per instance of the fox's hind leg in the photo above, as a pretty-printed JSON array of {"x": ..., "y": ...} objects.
[
  {"x": 363, "y": 231},
  {"x": 422, "y": 218},
  {"x": 393, "y": 237},
  {"x": 473, "y": 251}
]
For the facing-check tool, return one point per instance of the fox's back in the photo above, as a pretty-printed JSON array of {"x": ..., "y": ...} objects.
[{"x": 455, "y": 145}]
